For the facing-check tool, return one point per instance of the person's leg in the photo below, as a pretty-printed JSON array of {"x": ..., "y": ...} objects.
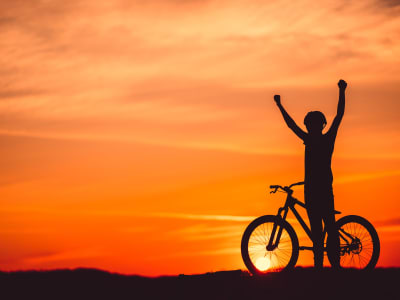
[
  {"x": 314, "y": 215},
  {"x": 333, "y": 243}
]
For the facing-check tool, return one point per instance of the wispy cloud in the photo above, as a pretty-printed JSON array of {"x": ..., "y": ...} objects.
[
  {"x": 388, "y": 222},
  {"x": 366, "y": 176},
  {"x": 206, "y": 232},
  {"x": 388, "y": 3},
  {"x": 62, "y": 257},
  {"x": 204, "y": 217},
  {"x": 183, "y": 216},
  {"x": 106, "y": 62},
  {"x": 223, "y": 251},
  {"x": 201, "y": 253}
]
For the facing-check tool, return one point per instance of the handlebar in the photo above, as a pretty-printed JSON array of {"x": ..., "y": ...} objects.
[
  {"x": 297, "y": 183},
  {"x": 286, "y": 189}
]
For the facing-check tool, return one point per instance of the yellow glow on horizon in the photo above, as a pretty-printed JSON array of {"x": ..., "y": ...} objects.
[{"x": 263, "y": 263}]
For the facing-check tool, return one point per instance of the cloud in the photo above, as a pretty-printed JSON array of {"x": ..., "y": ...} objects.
[
  {"x": 200, "y": 253},
  {"x": 204, "y": 217},
  {"x": 206, "y": 232},
  {"x": 212, "y": 252},
  {"x": 62, "y": 257},
  {"x": 366, "y": 176},
  {"x": 182, "y": 216},
  {"x": 99, "y": 55},
  {"x": 7, "y": 94},
  {"x": 388, "y": 222},
  {"x": 167, "y": 215},
  {"x": 391, "y": 225},
  {"x": 388, "y": 3}
]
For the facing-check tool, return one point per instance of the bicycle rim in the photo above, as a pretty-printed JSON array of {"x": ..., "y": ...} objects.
[
  {"x": 258, "y": 259},
  {"x": 359, "y": 245}
]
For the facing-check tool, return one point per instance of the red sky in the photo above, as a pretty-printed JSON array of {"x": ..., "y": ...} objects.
[{"x": 141, "y": 136}]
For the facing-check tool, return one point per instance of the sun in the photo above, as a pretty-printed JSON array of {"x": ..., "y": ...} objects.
[{"x": 263, "y": 264}]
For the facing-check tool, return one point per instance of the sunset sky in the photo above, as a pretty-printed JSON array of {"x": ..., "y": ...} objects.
[{"x": 141, "y": 136}]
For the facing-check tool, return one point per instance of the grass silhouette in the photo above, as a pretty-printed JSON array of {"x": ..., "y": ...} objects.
[{"x": 300, "y": 283}]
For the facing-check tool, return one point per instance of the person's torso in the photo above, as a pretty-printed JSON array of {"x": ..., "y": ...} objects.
[{"x": 318, "y": 157}]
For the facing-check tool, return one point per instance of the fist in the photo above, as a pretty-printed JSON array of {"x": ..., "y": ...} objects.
[
  {"x": 277, "y": 99},
  {"x": 342, "y": 84}
]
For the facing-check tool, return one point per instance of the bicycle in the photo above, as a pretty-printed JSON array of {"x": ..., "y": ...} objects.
[{"x": 270, "y": 243}]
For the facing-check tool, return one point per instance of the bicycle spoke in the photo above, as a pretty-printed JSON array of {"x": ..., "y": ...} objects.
[
  {"x": 360, "y": 247},
  {"x": 280, "y": 256}
]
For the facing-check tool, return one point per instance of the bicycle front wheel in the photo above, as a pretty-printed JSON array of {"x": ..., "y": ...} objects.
[
  {"x": 359, "y": 243},
  {"x": 257, "y": 258}
]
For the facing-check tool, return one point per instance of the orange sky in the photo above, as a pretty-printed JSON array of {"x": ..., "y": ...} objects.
[{"x": 141, "y": 136}]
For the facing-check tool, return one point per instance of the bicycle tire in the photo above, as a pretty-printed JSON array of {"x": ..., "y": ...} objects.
[
  {"x": 254, "y": 235},
  {"x": 365, "y": 253}
]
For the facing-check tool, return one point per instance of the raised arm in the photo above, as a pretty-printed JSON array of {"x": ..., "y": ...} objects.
[
  {"x": 340, "y": 110},
  {"x": 289, "y": 121}
]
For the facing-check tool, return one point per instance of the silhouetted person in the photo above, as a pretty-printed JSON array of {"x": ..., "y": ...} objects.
[{"x": 318, "y": 177}]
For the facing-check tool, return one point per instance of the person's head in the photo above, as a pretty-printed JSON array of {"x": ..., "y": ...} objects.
[{"x": 315, "y": 121}]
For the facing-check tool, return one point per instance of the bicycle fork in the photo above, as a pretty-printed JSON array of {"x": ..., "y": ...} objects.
[{"x": 277, "y": 230}]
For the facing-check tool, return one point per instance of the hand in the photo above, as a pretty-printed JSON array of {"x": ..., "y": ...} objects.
[
  {"x": 277, "y": 99},
  {"x": 342, "y": 84}
]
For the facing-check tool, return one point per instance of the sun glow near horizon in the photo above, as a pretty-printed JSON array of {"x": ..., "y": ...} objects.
[{"x": 263, "y": 263}]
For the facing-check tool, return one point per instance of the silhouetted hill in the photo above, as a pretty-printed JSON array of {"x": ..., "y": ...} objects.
[{"x": 301, "y": 283}]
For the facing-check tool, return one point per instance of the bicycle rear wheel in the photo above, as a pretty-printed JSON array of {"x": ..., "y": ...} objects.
[
  {"x": 359, "y": 243},
  {"x": 256, "y": 237}
]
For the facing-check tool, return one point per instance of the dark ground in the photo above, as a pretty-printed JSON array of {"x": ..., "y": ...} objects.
[{"x": 300, "y": 283}]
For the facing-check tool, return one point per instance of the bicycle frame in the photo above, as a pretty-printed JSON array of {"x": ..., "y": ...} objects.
[{"x": 289, "y": 205}]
